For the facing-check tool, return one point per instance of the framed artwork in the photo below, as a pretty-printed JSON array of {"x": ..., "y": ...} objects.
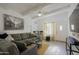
[{"x": 13, "y": 23}]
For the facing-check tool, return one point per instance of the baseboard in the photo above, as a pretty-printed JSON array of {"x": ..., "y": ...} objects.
[{"x": 59, "y": 41}]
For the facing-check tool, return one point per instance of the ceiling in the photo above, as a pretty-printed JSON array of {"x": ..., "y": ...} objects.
[
  {"x": 25, "y": 8},
  {"x": 49, "y": 9},
  {"x": 22, "y": 8}
]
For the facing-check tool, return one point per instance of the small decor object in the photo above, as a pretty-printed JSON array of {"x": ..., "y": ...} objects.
[{"x": 13, "y": 23}]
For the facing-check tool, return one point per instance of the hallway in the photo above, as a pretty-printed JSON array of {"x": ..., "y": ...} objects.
[{"x": 55, "y": 48}]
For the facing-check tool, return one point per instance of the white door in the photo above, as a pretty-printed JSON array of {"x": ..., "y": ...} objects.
[{"x": 50, "y": 30}]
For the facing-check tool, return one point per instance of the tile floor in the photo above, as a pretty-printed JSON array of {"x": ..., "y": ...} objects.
[{"x": 56, "y": 48}]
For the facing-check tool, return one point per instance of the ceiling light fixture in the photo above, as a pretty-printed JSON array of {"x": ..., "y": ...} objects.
[{"x": 39, "y": 14}]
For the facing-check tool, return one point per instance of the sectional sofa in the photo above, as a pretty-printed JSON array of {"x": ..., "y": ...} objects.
[{"x": 23, "y": 44}]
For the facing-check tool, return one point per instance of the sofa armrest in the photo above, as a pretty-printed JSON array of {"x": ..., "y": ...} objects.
[{"x": 32, "y": 50}]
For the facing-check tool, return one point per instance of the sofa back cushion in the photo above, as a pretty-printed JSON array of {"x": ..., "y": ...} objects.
[
  {"x": 16, "y": 37},
  {"x": 24, "y": 36}
]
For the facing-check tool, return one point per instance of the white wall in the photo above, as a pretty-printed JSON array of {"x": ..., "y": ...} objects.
[{"x": 28, "y": 23}]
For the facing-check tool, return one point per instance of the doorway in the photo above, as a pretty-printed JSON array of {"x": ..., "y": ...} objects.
[{"x": 50, "y": 31}]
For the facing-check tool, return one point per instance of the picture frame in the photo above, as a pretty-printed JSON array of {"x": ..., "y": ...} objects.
[{"x": 13, "y": 23}]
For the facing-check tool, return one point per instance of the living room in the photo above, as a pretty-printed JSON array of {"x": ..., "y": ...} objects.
[{"x": 24, "y": 29}]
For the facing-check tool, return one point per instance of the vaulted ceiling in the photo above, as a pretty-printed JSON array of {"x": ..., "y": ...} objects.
[
  {"x": 35, "y": 8},
  {"x": 22, "y": 8}
]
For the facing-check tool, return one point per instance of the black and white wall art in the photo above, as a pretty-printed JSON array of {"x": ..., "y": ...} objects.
[{"x": 13, "y": 23}]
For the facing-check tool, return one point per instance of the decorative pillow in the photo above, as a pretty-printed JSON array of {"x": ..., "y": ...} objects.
[
  {"x": 9, "y": 38},
  {"x": 3, "y": 36}
]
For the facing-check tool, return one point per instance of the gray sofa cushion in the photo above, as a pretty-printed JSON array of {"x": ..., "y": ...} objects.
[
  {"x": 8, "y": 47},
  {"x": 21, "y": 46}
]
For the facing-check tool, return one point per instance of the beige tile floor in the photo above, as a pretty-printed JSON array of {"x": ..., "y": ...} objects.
[{"x": 55, "y": 48}]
